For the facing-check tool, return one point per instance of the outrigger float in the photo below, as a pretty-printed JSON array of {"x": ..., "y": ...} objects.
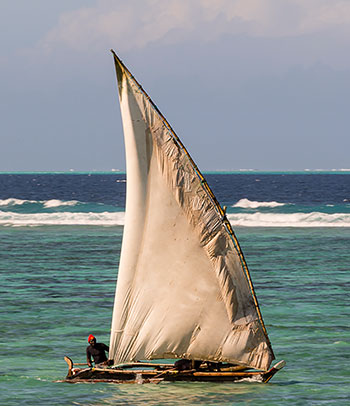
[{"x": 184, "y": 290}]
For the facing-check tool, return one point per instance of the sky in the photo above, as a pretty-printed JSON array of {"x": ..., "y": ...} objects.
[{"x": 246, "y": 84}]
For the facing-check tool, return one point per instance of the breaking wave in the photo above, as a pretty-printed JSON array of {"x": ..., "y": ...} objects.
[
  {"x": 11, "y": 202},
  {"x": 10, "y": 219},
  {"x": 59, "y": 203},
  {"x": 55, "y": 212},
  {"x": 313, "y": 219},
  {"x": 248, "y": 204},
  {"x": 106, "y": 218},
  {"x": 14, "y": 202}
]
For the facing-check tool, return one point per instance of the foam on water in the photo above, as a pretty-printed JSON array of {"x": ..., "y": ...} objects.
[
  {"x": 247, "y": 204},
  {"x": 45, "y": 203},
  {"x": 314, "y": 219},
  {"x": 14, "y": 202},
  {"x": 58, "y": 203},
  {"x": 10, "y": 219}
]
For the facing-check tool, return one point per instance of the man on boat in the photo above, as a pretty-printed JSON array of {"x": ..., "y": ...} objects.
[{"x": 97, "y": 351}]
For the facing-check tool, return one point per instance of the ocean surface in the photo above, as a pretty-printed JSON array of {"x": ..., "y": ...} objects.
[{"x": 60, "y": 240}]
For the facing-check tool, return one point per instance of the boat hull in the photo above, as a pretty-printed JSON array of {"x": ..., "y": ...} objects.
[{"x": 154, "y": 376}]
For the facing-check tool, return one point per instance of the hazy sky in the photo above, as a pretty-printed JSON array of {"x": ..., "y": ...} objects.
[{"x": 261, "y": 84}]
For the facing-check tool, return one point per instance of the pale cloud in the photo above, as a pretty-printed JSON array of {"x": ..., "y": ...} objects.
[
  {"x": 124, "y": 24},
  {"x": 321, "y": 15},
  {"x": 276, "y": 18},
  {"x": 136, "y": 23}
]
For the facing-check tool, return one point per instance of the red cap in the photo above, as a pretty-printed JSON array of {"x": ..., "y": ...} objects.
[{"x": 91, "y": 337}]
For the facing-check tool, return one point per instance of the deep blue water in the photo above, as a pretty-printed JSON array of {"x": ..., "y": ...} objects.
[
  {"x": 60, "y": 240},
  {"x": 299, "y": 200},
  {"x": 300, "y": 189}
]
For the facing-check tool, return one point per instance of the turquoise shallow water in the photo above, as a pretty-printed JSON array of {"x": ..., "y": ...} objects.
[{"x": 57, "y": 285}]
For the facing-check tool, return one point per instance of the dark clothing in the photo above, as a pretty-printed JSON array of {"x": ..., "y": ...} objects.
[
  {"x": 97, "y": 352},
  {"x": 186, "y": 364}
]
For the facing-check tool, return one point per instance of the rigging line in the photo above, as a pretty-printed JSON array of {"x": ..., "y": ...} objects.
[{"x": 207, "y": 188}]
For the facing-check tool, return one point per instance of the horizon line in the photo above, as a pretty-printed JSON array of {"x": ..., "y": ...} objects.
[{"x": 216, "y": 171}]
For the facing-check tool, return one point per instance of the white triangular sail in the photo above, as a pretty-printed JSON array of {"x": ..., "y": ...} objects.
[{"x": 183, "y": 287}]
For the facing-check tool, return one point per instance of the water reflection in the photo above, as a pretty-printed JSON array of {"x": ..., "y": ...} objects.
[{"x": 168, "y": 393}]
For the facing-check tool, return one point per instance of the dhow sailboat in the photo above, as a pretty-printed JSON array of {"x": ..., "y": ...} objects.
[{"x": 184, "y": 291}]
